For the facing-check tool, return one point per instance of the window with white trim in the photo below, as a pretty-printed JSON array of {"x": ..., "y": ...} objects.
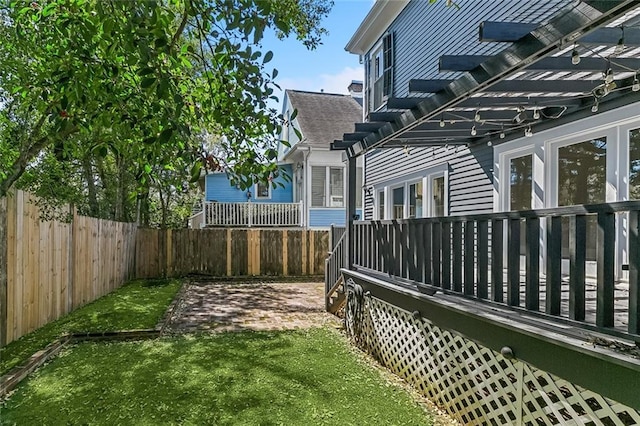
[
  {"x": 262, "y": 190},
  {"x": 424, "y": 196},
  {"x": 380, "y": 73}
]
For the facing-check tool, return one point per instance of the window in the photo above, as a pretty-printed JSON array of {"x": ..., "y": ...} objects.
[
  {"x": 327, "y": 186},
  {"x": 263, "y": 190},
  {"x": 520, "y": 182},
  {"x": 398, "y": 203},
  {"x": 438, "y": 196},
  {"x": 318, "y": 180},
  {"x": 582, "y": 173},
  {"x": 380, "y": 73},
  {"x": 426, "y": 197},
  {"x": 415, "y": 199},
  {"x": 336, "y": 187},
  {"x": 381, "y": 205}
]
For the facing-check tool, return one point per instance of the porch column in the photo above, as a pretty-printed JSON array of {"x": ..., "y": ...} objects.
[{"x": 350, "y": 210}]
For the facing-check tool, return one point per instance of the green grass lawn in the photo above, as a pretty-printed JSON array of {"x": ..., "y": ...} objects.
[
  {"x": 250, "y": 378},
  {"x": 136, "y": 305}
]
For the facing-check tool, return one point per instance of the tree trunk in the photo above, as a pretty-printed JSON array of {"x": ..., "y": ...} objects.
[{"x": 94, "y": 207}]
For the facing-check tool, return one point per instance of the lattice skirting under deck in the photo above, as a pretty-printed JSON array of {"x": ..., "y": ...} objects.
[{"x": 474, "y": 384}]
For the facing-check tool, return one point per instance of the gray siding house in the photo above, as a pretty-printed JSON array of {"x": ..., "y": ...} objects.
[{"x": 498, "y": 262}]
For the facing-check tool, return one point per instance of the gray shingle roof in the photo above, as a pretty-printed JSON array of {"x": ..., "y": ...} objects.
[{"x": 324, "y": 117}]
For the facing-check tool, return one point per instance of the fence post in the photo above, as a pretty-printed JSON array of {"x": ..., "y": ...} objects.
[
  {"x": 250, "y": 213},
  {"x": 302, "y": 215},
  {"x": 4, "y": 279}
]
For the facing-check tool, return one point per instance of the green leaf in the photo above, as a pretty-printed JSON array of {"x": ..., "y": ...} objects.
[
  {"x": 298, "y": 134},
  {"x": 149, "y": 141},
  {"x": 147, "y": 82},
  {"x": 160, "y": 42},
  {"x": 274, "y": 74},
  {"x": 195, "y": 172},
  {"x": 294, "y": 114},
  {"x": 267, "y": 57},
  {"x": 165, "y": 135},
  {"x": 145, "y": 71}
]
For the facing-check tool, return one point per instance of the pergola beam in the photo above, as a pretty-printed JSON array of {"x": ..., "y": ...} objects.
[
  {"x": 555, "y": 63},
  {"x": 508, "y": 32},
  {"x": 513, "y": 86},
  {"x": 483, "y": 102}
]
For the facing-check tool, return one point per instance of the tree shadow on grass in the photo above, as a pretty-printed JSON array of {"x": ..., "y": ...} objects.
[{"x": 233, "y": 378}]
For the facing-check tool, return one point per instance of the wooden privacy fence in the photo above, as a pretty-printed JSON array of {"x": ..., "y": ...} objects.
[
  {"x": 49, "y": 268},
  {"x": 230, "y": 252}
]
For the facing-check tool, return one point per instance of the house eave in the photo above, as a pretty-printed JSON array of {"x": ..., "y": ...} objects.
[{"x": 381, "y": 15}]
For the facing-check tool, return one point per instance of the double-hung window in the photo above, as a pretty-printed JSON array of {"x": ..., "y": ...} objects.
[
  {"x": 424, "y": 195},
  {"x": 380, "y": 73},
  {"x": 328, "y": 187}
]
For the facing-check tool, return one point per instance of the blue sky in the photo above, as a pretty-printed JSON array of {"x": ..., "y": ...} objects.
[{"x": 329, "y": 67}]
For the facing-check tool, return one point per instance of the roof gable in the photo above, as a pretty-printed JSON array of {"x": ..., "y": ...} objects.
[{"x": 324, "y": 117}]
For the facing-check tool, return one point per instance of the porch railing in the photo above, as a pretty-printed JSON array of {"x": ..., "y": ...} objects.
[
  {"x": 501, "y": 258},
  {"x": 253, "y": 214}
]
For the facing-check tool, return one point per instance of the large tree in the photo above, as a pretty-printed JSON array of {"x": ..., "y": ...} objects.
[{"x": 115, "y": 93}]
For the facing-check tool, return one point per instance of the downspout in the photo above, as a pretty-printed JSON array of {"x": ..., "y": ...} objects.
[{"x": 306, "y": 182}]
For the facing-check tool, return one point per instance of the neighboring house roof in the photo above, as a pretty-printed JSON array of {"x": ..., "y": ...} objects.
[{"x": 324, "y": 117}]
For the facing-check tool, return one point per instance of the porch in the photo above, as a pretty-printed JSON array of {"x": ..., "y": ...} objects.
[
  {"x": 248, "y": 214},
  {"x": 553, "y": 291}
]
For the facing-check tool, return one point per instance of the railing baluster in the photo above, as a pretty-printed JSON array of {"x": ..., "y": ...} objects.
[
  {"x": 554, "y": 265},
  {"x": 457, "y": 256},
  {"x": 469, "y": 257},
  {"x": 634, "y": 272},
  {"x": 513, "y": 263},
  {"x": 532, "y": 283},
  {"x": 606, "y": 265},
  {"x": 577, "y": 258},
  {"x": 410, "y": 242},
  {"x": 483, "y": 259},
  {"x": 427, "y": 261},
  {"x": 436, "y": 241},
  {"x": 405, "y": 261},
  {"x": 446, "y": 255},
  {"x": 420, "y": 261},
  {"x": 497, "y": 277}
]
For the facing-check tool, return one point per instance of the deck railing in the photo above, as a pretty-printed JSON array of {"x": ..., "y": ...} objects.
[
  {"x": 501, "y": 258},
  {"x": 334, "y": 263},
  {"x": 253, "y": 214}
]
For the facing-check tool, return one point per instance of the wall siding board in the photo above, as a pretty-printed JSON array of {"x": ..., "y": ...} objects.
[{"x": 470, "y": 174}]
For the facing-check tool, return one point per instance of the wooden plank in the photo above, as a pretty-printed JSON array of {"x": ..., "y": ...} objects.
[
  {"x": 11, "y": 224},
  {"x": 532, "y": 281},
  {"x": 469, "y": 258},
  {"x": 312, "y": 252},
  {"x": 577, "y": 258},
  {"x": 285, "y": 252},
  {"x": 513, "y": 263},
  {"x": 457, "y": 256},
  {"x": 554, "y": 266},
  {"x": 304, "y": 252},
  {"x": 483, "y": 259},
  {"x": 606, "y": 266},
  {"x": 229, "y": 246},
  {"x": 436, "y": 240},
  {"x": 428, "y": 260},
  {"x": 169, "y": 251},
  {"x": 18, "y": 304}
]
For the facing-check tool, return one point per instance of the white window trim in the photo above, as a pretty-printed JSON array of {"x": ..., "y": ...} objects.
[
  {"x": 426, "y": 176},
  {"x": 256, "y": 193}
]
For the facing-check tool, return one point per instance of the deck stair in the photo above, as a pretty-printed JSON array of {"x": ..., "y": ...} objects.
[{"x": 336, "y": 297}]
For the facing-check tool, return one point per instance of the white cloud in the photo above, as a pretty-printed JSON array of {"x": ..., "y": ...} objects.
[{"x": 329, "y": 83}]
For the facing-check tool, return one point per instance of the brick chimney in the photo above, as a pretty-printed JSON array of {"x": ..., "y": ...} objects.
[{"x": 355, "y": 89}]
